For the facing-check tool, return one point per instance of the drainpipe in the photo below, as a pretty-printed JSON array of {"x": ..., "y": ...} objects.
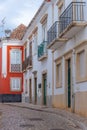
[
  {"x": 52, "y": 76},
  {"x": 52, "y": 58},
  {"x": 73, "y": 82}
]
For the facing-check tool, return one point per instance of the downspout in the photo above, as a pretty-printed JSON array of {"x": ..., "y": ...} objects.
[
  {"x": 73, "y": 83},
  {"x": 52, "y": 77},
  {"x": 52, "y": 59}
]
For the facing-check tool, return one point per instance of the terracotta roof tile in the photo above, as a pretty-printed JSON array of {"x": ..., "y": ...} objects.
[{"x": 18, "y": 32}]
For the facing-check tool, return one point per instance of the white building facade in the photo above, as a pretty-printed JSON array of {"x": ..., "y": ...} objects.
[{"x": 55, "y": 56}]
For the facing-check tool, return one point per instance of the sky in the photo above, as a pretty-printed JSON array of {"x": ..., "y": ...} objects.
[{"x": 15, "y": 12}]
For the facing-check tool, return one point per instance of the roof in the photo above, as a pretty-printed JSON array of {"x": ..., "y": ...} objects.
[{"x": 18, "y": 32}]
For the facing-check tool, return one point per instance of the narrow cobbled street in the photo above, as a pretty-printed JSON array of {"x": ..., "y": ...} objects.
[{"x": 13, "y": 117}]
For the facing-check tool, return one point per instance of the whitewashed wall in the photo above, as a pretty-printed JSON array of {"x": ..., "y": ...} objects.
[{"x": 47, "y": 64}]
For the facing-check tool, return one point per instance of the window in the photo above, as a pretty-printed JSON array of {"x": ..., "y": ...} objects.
[
  {"x": 81, "y": 56},
  {"x": 15, "y": 84},
  {"x": 58, "y": 74},
  {"x": 35, "y": 43},
  {"x": 81, "y": 63},
  {"x": 35, "y": 33},
  {"x": 44, "y": 31},
  {"x": 25, "y": 53},
  {"x": 43, "y": 21},
  {"x": 60, "y": 5},
  {"x": 15, "y": 60},
  {"x": 81, "y": 66},
  {"x": 30, "y": 48}
]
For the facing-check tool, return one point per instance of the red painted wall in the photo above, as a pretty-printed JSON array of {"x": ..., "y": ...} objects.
[
  {"x": 5, "y": 82},
  {"x": 0, "y": 70}
]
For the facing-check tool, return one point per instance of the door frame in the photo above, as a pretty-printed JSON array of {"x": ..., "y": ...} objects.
[
  {"x": 44, "y": 73},
  {"x": 67, "y": 57},
  {"x": 30, "y": 90},
  {"x": 35, "y": 89}
]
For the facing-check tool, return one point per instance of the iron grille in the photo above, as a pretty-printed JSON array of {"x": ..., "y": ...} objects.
[{"x": 73, "y": 13}]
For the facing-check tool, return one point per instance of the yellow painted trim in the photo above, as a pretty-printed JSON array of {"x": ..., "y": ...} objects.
[
  {"x": 44, "y": 72},
  {"x": 68, "y": 54},
  {"x": 35, "y": 30},
  {"x": 78, "y": 51},
  {"x": 58, "y": 59},
  {"x": 43, "y": 19},
  {"x": 66, "y": 57},
  {"x": 58, "y": 83},
  {"x": 84, "y": 42},
  {"x": 59, "y": 101},
  {"x": 30, "y": 37},
  {"x": 80, "y": 103},
  {"x": 60, "y": 3},
  {"x": 42, "y": 57},
  {"x": 42, "y": 85}
]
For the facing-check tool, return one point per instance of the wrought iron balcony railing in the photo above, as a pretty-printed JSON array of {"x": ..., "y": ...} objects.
[
  {"x": 73, "y": 13},
  {"x": 52, "y": 33},
  {"x": 42, "y": 49},
  {"x": 27, "y": 63},
  {"x": 24, "y": 66},
  {"x": 15, "y": 68}
]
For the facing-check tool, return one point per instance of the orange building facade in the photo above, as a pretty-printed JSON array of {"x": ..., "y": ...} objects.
[{"x": 11, "y": 77}]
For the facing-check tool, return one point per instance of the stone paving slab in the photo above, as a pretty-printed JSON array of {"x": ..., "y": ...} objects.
[{"x": 77, "y": 119}]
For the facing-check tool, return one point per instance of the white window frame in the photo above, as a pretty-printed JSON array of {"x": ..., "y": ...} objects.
[
  {"x": 58, "y": 82},
  {"x": 15, "y": 81},
  {"x": 15, "y": 50}
]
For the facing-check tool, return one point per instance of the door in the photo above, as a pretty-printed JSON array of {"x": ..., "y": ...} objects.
[
  {"x": 69, "y": 83},
  {"x": 30, "y": 90},
  {"x": 35, "y": 84},
  {"x": 44, "y": 89}
]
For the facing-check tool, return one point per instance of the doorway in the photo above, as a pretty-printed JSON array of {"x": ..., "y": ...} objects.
[
  {"x": 44, "y": 89},
  {"x": 35, "y": 85},
  {"x": 30, "y": 90},
  {"x": 69, "y": 82}
]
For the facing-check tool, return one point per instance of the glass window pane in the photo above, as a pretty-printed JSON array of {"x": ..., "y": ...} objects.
[
  {"x": 15, "y": 84},
  {"x": 15, "y": 60}
]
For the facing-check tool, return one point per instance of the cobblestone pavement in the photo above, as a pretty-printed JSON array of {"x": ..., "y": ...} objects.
[{"x": 14, "y": 117}]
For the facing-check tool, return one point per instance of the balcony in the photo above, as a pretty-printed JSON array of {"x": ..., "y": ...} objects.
[
  {"x": 42, "y": 51},
  {"x": 71, "y": 21},
  {"x": 53, "y": 40},
  {"x": 27, "y": 64},
  {"x": 24, "y": 66}
]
